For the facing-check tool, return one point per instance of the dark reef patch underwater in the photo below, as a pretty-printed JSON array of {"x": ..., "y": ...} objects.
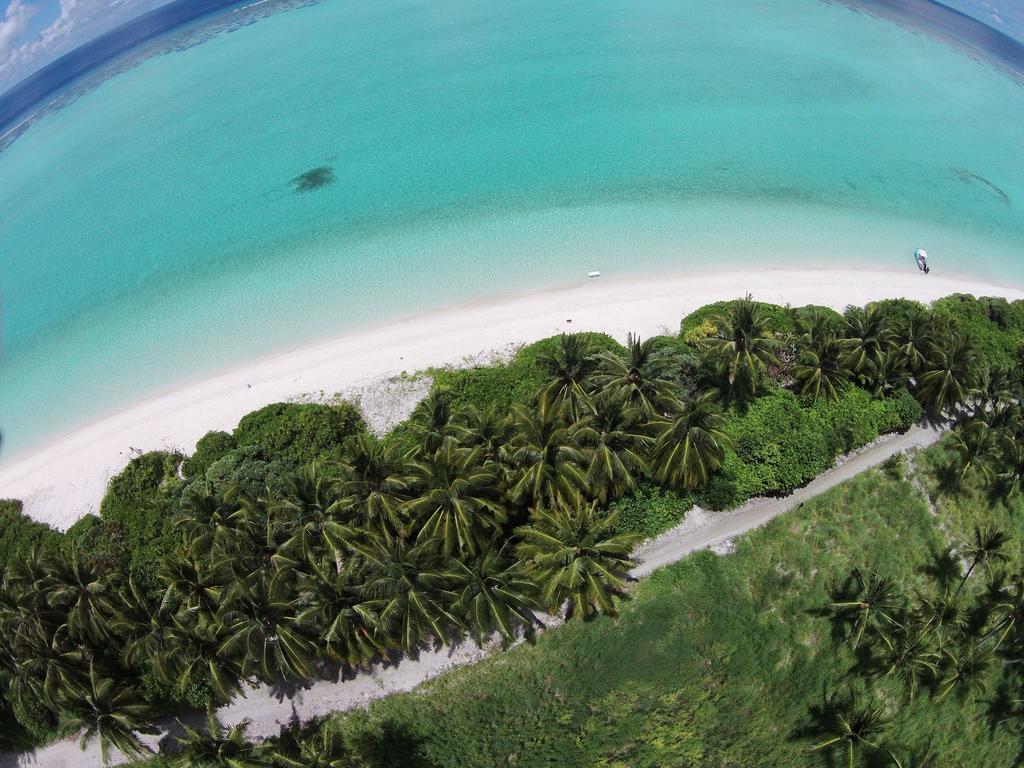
[
  {"x": 969, "y": 177},
  {"x": 313, "y": 179}
]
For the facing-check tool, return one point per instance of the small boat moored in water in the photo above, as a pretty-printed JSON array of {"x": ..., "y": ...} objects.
[
  {"x": 595, "y": 273},
  {"x": 921, "y": 257}
]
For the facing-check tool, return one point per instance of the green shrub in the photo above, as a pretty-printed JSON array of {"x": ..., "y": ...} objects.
[
  {"x": 138, "y": 509},
  {"x": 896, "y": 413},
  {"x": 19, "y": 533},
  {"x": 211, "y": 446},
  {"x": 895, "y": 467},
  {"x": 502, "y": 385},
  {"x": 898, "y": 309},
  {"x": 516, "y": 382},
  {"x": 848, "y": 422},
  {"x": 780, "y": 445},
  {"x": 13, "y": 735},
  {"x": 170, "y": 697},
  {"x": 995, "y": 325},
  {"x": 836, "y": 321},
  {"x": 300, "y": 432},
  {"x": 780, "y": 320},
  {"x": 650, "y": 510},
  {"x": 104, "y": 544},
  {"x": 252, "y": 469},
  {"x": 724, "y": 491},
  {"x": 37, "y": 721}
]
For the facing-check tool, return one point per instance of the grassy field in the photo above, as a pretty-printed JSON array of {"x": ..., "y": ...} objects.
[{"x": 716, "y": 661}]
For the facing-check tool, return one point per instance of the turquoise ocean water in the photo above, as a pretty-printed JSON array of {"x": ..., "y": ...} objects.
[{"x": 150, "y": 233}]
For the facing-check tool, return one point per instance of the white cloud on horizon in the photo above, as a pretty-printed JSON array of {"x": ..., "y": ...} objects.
[
  {"x": 13, "y": 25},
  {"x": 77, "y": 22}
]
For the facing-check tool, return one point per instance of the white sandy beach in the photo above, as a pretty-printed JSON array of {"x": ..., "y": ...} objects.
[{"x": 65, "y": 480}]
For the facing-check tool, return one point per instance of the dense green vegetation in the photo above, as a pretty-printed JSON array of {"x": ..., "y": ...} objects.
[
  {"x": 739, "y": 660},
  {"x": 300, "y": 540}
]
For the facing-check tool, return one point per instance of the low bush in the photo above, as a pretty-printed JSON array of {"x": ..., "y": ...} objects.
[
  {"x": 252, "y": 470},
  {"x": 703, "y": 322},
  {"x": 139, "y": 508},
  {"x": 650, "y": 510},
  {"x": 782, "y": 441},
  {"x": 516, "y": 382},
  {"x": 846, "y": 423},
  {"x": 780, "y": 445},
  {"x": 996, "y": 327},
  {"x": 300, "y": 432},
  {"x": 896, "y": 413},
  {"x": 19, "y": 533},
  {"x": 211, "y": 447}
]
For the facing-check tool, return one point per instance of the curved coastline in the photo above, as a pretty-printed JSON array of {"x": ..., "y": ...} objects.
[{"x": 65, "y": 479}]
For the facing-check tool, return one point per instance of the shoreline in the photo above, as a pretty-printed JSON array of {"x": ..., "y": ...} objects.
[{"x": 65, "y": 478}]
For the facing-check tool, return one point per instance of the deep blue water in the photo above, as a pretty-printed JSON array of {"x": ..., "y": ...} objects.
[
  {"x": 988, "y": 28},
  {"x": 49, "y": 80}
]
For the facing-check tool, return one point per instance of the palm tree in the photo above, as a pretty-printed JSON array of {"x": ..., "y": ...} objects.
[
  {"x": 976, "y": 443},
  {"x": 915, "y": 337},
  {"x": 485, "y": 428},
  {"x": 495, "y": 594},
  {"x": 193, "y": 656},
  {"x": 638, "y": 375},
  {"x": 408, "y": 591},
  {"x": 571, "y": 366},
  {"x": 322, "y": 748},
  {"x": 432, "y": 421},
  {"x": 1011, "y": 479},
  {"x": 611, "y": 437},
  {"x": 140, "y": 624},
  {"x": 690, "y": 446},
  {"x": 457, "y": 504},
  {"x": 743, "y": 347},
  {"x": 889, "y": 376},
  {"x": 574, "y": 555},
  {"x": 83, "y": 594},
  {"x": 333, "y": 606},
  {"x": 1008, "y": 613},
  {"x": 220, "y": 746},
  {"x": 112, "y": 713},
  {"x": 968, "y": 671},
  {"x": 874, "y": 603},
  {"x": 260, "y": 628},
  {"x": 868, "y": 339},
  {"x": 311, "y": 501},
  {"x": 946, "y": 380},
  {"x": 943, "y": 616},
  {"x": 819, "y": 370},
  {"x": 857, "y": 727},
  {"x": 209, "y": 520},
  {"x": 908, "y": 657},
  {"x": 49, "y": 666},
  {"x": 999, "y": 388},
  {"x": 374, "y": 486},
  {"x": 545, "y": 465},
  {"x": 195, "y": 584},
  {"x": 987, "y": 548}
]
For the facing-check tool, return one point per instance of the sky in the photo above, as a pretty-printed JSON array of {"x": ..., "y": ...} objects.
[
  {"x": 1005, "y": 15},
  {"x": 35, "y": 32}
]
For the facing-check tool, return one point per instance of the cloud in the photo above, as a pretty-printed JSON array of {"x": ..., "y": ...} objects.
[
  {"x": 13, "y": 25},
  {"x": 77, "y": 22}
]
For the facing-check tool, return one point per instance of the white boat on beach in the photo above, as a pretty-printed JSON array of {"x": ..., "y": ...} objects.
[{"x": 921, "y": 258}]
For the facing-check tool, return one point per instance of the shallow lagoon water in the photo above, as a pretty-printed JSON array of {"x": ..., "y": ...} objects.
[{"x": 158, "y": 229}]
